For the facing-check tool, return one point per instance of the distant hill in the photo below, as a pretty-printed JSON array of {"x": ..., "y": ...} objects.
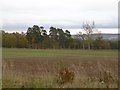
[
  {"x": 106, "y": 36},
  {"x": 111, "y": 36}
]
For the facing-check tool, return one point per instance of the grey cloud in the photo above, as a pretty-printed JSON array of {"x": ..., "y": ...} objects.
[{"x": 59, "y": 13}]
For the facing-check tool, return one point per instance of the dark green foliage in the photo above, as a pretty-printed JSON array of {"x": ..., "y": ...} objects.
[
  {"x": 53, "y": 37},
  {"x": 61, "y": 38},
  {"x": 34, "y": 36},
  {"x": 99, "y": 43}
]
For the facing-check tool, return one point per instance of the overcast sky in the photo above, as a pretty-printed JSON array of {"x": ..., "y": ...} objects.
[{"x": 20, "y": 14}]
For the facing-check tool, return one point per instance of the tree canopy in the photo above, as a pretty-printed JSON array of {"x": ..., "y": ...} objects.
[{"x": 37, "y": 37}]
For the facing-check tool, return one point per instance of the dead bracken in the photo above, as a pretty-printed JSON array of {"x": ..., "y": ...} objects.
[{"x": 65, "y": 76}]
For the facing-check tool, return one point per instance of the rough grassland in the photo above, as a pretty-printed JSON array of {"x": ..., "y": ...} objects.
[{"x": 26, "y": 68}]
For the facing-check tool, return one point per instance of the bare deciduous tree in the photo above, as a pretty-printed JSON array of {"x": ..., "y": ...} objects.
[{"x": 89, "y": 29}]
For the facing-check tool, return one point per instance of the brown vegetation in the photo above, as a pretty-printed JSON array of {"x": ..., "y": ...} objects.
[{"x": 104, "y": 72}]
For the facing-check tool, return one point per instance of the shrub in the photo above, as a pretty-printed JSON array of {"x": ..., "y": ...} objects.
[{"x": 65, "y": 75}]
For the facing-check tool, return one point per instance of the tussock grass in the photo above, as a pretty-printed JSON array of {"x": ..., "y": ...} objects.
[
  {"x": 42, "y": 73},
  {"x": 32, "y": 68}
]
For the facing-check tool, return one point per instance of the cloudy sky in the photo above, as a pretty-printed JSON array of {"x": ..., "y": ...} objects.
[{"x": 20, "y": 14}]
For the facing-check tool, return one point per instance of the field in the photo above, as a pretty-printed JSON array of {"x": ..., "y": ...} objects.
[{"x": 39, "y": 68}]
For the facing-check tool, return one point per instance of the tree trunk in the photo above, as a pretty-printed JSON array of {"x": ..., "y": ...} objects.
[
  {"x": 88, "y": 46},
  {"x": 83, "y": 47}
]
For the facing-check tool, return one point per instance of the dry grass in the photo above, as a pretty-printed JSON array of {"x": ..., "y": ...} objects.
[{"x": 41, "y": 72}]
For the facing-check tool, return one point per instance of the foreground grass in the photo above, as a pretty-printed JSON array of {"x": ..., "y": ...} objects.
[
  {"x": 41, "y": 73},
  {"x": 37, "y": 68},
  {"x": 38, "y": 53},
  {"x": 48, "y": 81}
]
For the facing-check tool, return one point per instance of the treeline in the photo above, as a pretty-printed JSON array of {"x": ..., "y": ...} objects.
[
  {"x": 14, "y": 40},
  {"x": 37, "y": 38}
]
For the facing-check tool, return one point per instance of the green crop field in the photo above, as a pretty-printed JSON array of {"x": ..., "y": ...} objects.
[
  {"x": 37, "y": 53},
  {"x": 41, "y": 68}
]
